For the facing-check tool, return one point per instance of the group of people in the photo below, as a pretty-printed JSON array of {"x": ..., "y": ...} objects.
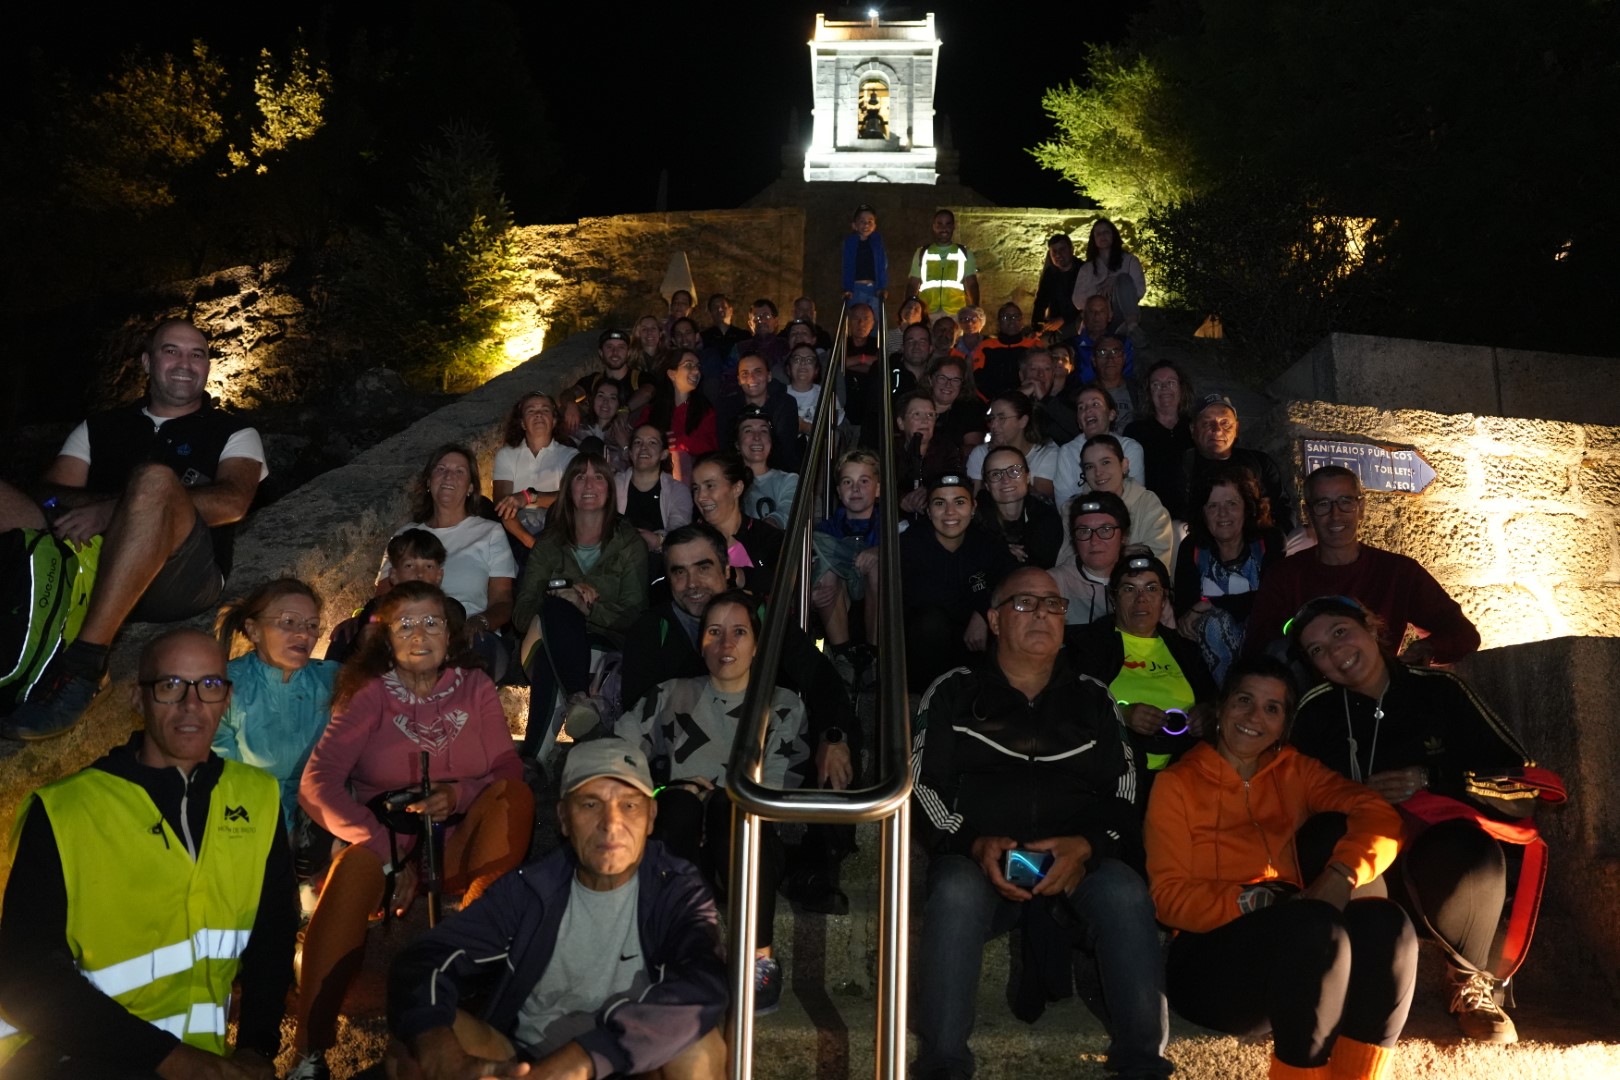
[{"x": 1097, "y": 583}]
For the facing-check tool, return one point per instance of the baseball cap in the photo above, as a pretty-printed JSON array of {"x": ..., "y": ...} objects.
[
  {"x": 613, "y": 757},
  {"x": 1214, "y": 399},
  {"x": 950, "y": 479},
  {"x": 611, "y": 335}
]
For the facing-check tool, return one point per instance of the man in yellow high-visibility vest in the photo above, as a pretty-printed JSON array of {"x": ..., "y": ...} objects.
[
  {"x": 943, "y": 274},
  {"x": 142, "y": 888}
]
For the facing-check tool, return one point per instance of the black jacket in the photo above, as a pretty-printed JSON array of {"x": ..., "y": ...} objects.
[
  {"x": 41, "y": 988},
  {"x": 959, "y": 582},
  {"x": 989, "y": 762}
]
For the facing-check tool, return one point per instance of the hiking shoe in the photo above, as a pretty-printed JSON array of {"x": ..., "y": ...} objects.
[
  {"x": 54, "y": 708},
  {"x": 767, "y": 985},
  {"x": 583, "y": 715},
  {"x": 312, "y": 1066},
  {"x": 1478, "y": 1015}
]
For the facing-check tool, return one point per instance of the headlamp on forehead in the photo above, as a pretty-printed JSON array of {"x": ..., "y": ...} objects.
[
  {"x": 1092, "y": 506},
  {"x": 1139, "y": 562}
]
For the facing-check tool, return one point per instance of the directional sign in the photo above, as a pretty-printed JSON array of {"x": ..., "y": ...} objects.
[{"x": 1381, "y": 468}]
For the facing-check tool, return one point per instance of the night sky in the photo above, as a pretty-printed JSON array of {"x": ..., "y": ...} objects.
[{"x": 702, "y": 88}]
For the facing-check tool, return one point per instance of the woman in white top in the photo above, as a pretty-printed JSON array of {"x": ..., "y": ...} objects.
[
  {"x": 1111, "y": 271},
  {"x": 1105, "y": 468},
  {"x": 479, "y": 570},
  {"x": 529, "y": 467},
  {"x": 1012, "y": 421}
]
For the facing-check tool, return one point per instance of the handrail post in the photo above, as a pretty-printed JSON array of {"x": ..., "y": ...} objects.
[
  {"x": 893, "y": 950},
  {"x": 744, "y": 924}
]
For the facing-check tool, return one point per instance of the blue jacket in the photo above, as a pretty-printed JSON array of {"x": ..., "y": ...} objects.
[
  {"x": 274, "y": 724},
  {"x": 517, "y": 920},
  {"x": 880, "y": 261}
]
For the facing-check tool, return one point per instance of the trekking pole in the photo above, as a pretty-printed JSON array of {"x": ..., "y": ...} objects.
[{"x": 430, "y": 849}]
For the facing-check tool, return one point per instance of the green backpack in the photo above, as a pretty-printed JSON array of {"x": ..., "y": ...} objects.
[{"x": 45, "y": 588}]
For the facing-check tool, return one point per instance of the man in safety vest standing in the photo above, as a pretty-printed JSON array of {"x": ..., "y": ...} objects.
[
  {"x": 943, "y": 274},
  {"x": 141, "y": 888}
]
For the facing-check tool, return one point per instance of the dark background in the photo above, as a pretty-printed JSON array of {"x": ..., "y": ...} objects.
[{"x": 704, "y": 89}]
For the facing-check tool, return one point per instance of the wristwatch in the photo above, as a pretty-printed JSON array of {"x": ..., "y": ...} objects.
[{"x": 833, "y": 736}]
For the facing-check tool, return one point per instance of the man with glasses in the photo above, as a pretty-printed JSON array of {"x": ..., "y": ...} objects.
[
  {"x": 764, "y": 342},
  {"x": 1017, "y": 759},
  {"x": 163, "y": 481},
  {"x": 1215, "y": 435},
  {"x": 1394, "y": 587},
  {"x": 143, "y": 886},
  {"x": 1097, "y": 321}
]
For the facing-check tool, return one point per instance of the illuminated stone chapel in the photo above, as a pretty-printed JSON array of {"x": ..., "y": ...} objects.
[{"x": 873, "y": 118}]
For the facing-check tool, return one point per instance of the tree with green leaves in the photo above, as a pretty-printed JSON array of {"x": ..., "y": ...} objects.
[{"x": 430, "y": 289}]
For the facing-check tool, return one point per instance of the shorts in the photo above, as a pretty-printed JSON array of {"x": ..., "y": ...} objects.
[
  {"x": 189, "y": 583},
  {"x": 836, "y": 555}
]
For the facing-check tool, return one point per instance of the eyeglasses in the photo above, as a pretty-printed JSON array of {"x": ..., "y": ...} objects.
[
  {"x": 1345, "y": 503},
  {"x": 289, "y": 623},
  {"x": 429, "y": 624},
  {"x": 1011, "y": 472},
  {"x": 945, "y": 380},
  {"x": 170, "y": 689},
  {"x": 1110, "y": 352},
  {"x": 1102, "y": 532},
  {"x": 1028, "y": 602}
]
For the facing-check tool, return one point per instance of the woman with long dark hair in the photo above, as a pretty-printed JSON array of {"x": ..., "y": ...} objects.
[
  {"x": 753, "y": 547},
  {"x": 686, "y": 416},
  {"x": 585, "y": 582},
  {"x": 1012, "y": 421},
  {"x": 528, "y": 466},
  {"x": 1005, "y": 506},
  {"x": 1111, "y": 271}
]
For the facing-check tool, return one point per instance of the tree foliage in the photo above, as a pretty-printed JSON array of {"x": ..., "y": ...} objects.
[
  {"x": 1465, "y": 129},
  {"x": 430, "y": 288},
  {"x": 290, "y": 103},
  {"x": 1115, "y": 141}
]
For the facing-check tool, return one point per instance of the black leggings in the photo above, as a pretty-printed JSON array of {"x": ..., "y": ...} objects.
[
  {"x": 699, "y": 831},
  {"x": 1452, "y": 880},
  {"x": 567, "y": 643},
  {"x": 1303, "y": 971}
]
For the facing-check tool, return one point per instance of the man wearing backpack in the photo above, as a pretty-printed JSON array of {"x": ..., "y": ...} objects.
[{"x": 162, "y": 480}]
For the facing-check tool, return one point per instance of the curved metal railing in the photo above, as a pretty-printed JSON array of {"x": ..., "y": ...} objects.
[{"x": 889, "y": 799}]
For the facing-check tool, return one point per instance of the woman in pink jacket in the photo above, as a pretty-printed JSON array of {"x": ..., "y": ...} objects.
[{"x": 408, "y": 688}]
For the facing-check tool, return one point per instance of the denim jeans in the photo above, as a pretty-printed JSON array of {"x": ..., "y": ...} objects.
[{"x": 1115, "y": 917}]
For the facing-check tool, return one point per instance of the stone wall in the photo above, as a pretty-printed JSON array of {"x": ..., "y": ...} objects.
[
  {"x": 608, "y": 270},
  {"x": 1400, "y": 373},
  {"x": 1521, "y": 523}
]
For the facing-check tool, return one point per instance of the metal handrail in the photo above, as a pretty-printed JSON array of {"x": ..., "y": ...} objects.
[{"x": 889, "y": 800}]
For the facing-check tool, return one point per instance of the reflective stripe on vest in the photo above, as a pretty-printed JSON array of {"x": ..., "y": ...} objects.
[
  {"x": 134, "y": 973},
  {"x": 131, "y": 881}
]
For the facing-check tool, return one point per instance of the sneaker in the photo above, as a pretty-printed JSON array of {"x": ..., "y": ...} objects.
[
  {"x": 1478, "y": 1015},
  {"x": 54, "y": 708},
  {"x": 312, "y": 1066},
  {"x": 767, "y": 985},
  {"x": 582, "y": 716}
]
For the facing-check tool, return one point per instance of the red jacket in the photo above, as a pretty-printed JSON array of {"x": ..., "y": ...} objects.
[{"x": 1210, "y": 834}]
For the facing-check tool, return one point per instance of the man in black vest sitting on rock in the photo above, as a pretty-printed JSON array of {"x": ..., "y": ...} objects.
[{"x": 162, "y": 480}]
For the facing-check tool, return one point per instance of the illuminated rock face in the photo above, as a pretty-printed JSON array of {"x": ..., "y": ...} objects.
[
  {"x": 873, "y": 118},
  {"x": 1522, "y": 521}
]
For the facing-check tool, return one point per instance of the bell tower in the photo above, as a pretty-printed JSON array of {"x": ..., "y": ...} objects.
[{"x": 873, "y": 118}]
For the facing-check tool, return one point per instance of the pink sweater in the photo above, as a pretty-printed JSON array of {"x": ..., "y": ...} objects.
[{"x": 374, "y": 745}]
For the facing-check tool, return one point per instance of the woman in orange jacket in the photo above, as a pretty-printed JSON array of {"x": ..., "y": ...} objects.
[{"x": 1261, "y": 945}]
